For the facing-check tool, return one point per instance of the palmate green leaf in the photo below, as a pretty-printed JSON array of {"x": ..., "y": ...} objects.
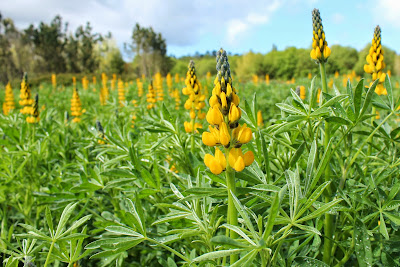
[
  {"x": 107, "y": 242},
  {"x": 393, "y": 218},
  {"x": 206, "y": 191},
  {"x": 34, "y": 233},
  {"x": 298, "y": 100},
  {"x": 362, "y": 244},
  {"x": 249, "y": 113},
  {"x": 324, "y": 208},
  {"x": 334, "y": 100},
  {"x": 304, "y": 261},
  {"x": 266, "y": 187},
  {"x": 297, "y": 155},
  {"x": 313, "y": 94},
  {"x": 286, "y": 126},
  {"x": 307, "y": 228},
  {"x": 312, "y": 198},
  {"x": 227, "y": 242},
  {"x": 217, "y": 254},
  {"x": 66, "y": 214}
]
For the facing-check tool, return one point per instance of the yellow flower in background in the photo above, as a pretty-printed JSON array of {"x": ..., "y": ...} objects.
[
  {"x": 139, "y": 85},
  {"x": 320, "y": 50},
  {"x": 9, "y": 102},
  {"x": 336, "y": 74},
  {"x": 375, "y": 64},
  {"x": 25, "y": 96},
  {"x": 151, "y": 96},
  {"x": 208, "y": 77},
  {"x": 34, "y": 111},
  {"x": 85, "y": 83},
  {"x": 104, "y": 92},
  {"x": 177, "y": 79},
  {"x": 195, "y": 102},
  {"x": 224, "y": 129},
  {"x": 54, "y": 80},
  {"x": 113, "y": 81},
  {"x": 76, "y": 106},
  {"x": 309, "y": 76},
  {"x": 121, "y": 93},
  {"x": 158, "y": 84},
  {"x": 254, "y": 79}
]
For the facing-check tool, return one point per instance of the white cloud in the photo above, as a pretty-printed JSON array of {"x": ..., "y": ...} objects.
[
  {"x": 388, "y": 12},
  {"x": 181, "y": 22}
]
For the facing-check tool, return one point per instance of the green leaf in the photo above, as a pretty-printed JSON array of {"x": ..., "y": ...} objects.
[
  {"x": 334, "y": 100},
  {"x": 49, "y": 220},
  {"x": 227, "y": 241},
  {"x": 368, "y": 97},
  {"x": 122, "y": 230},
  {"x": 338, "y": 120},
  {"x": 290, "y": 109},
  {"x": 388, "y": 86},
  {"x": 382, "y": 227},
  {"x": 311, "y": 199},
  {"x": 297, "y": 155},
  {"x": 304, "y": 261},
  {"x": 320, "y": 211},
  {"x": 217, "y": 254},
  {"x": 243, "y": 213},
  {"x": 310, "y": 165},
  {"x": 266, "y": 157},
  {"x": 273, "y": 212},
  {"x": 64, "y": 218},
  {"x": 362, "y": 244},
  {"x": 246, "y": 260},
  {"x": 240, "y": 232},
  {"x": 393, "y": 218},
  {"x": 358, "y": 96}
]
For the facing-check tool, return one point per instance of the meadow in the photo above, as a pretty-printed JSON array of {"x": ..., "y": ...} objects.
[{"x": 203, "y": 171}]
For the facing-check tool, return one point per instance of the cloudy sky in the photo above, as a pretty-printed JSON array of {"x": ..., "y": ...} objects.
[{"x": 236, "y": 25}]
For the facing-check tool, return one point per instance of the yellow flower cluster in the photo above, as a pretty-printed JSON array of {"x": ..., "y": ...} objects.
[
  {"x": 8, "y": 104},
  {"x": 208, "y": 77},
  {"x": 76, "y": 106},
  {"x": 158, "y": 84},
  {"x": 34, "y": 111},
  {"x": 195, "y": 102},
  {"x": 25, "y": 95},
  {"x": 121, "y": 93},
  {"x": 133, "y": 121},
  {"x": 177, "y": 78},
  {"x": 54, "y": 80},
  {"x": 151, "y": 96},
  {"x": 113, "y": 82},
  {"x": 375, "y": 63},
  {"x": 320, "y": 50},
  {"x": 255, "y": 79},
  {"x": 267, "y": 79},
  {"x": 225, "y": 130},
  {"x": 139, "y": 85},
  {"x": 85, "y": 83},
  {"x": 169, "y": 84},
  {"x": 104, "y": 93}
]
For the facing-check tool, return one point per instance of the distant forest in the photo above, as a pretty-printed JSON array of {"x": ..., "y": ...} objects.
[{"x": 54, "y": 48}]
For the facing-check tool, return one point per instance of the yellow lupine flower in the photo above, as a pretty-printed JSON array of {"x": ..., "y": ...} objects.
[
  {"x": 25, "y": 96},
  {"x": 34, "y": 111},
  {"x": 76, "y": 106},
  {"x": 223, "y": 116},
  {"x": 260, "y": 121},
  {"x": 9, "y": 103},
  {"x": 320, "y": 50},
  {"x": 151, "y": 96},
  {"x": 375, "y": 64}
]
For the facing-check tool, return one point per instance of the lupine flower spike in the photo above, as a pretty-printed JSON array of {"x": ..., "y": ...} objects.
[
  {"x": 375, "y": 64},
  {"x": 34, "y": 111},
  {"x": 320, "y": 50},
  {"x": 225, "y": 130},
  {"x": 76, "y": 106},
  {"x": 9, "y": 103},
  {"x": 25, "y": 96},
  {"x": 195, "y": 102}
]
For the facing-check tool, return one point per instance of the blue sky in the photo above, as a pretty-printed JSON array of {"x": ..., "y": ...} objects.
[{"x": 236, "y": 25}]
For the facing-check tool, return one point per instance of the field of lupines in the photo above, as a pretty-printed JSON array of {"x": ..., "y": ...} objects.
[{"x": 204, "y": 171}]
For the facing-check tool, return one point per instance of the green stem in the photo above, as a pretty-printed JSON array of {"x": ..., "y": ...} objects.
[
  {"x": 328, "y": 222},
  {"x": 49, "y": 253},
  {"x": 232, "y": 212}
]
